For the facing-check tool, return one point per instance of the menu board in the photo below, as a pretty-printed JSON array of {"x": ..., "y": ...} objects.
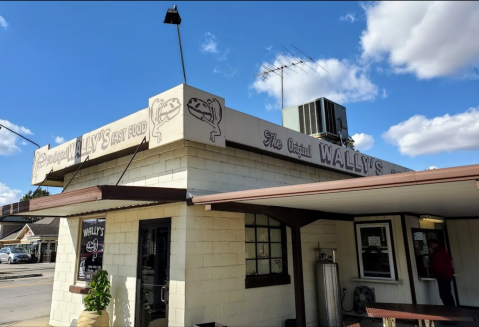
[{"x": 91, "y": 248}]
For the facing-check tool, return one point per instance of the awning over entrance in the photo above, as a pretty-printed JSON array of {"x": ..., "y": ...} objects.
[
  {"x": 450, "y": 192},
  {"x": 94, "y": 199}
]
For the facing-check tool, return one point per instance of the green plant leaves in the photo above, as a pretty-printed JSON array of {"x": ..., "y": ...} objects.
[{"x": 99, "y": 295}]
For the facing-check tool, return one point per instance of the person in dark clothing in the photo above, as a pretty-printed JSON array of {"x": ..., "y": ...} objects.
[{"x": 441, "y": 268}]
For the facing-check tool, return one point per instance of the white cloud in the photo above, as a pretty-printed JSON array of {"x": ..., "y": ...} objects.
[
  {"x": 419, "y": 135},
  {"x": 3, "y": 22},
  {"x": 345, "y": 82},
  {"x": 431, "y": 168},
  {"x": 8, "y": 140},
  {"x": 210, "y": 44},
  {"x": 59, "y": 140},
  {"x": 384, "y": 95},
  {"x": 349, "y": 17},
  {"x": 428, "y": 39},
  {"x": 227, "y": 71},
  {"x": 363, "y": 141},
  {"x": 8, "y": 195},
  {"x": 269, "y": 48},
  {"x": 268, "y": 107}
]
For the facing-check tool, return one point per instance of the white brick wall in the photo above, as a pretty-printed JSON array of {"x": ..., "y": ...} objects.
[
  {"x": 160, "y": 167},
  {"x": 119, "y": 259},
  {"x": 215, "y": 273},
  {"x": 207, "y": 264},
  {"x": 216, "y": 170}
]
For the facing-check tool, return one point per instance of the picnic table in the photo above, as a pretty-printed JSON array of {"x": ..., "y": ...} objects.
[{"x": 421, "y": 312}]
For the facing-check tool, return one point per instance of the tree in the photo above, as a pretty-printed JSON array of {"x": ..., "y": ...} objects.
[
  {"x": 350, "y": 143},
  {"x": 38, "y": 194}
]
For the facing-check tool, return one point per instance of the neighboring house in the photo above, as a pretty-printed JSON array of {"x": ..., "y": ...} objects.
[
  {"x": 39, "y": 236},
  {"x": 11, "y": 223}
]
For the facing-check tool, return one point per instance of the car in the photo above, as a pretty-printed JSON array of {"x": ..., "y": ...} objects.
[{"x": 14, "y": 255}]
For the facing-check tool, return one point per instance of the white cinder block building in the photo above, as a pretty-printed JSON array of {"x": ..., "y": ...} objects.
[{"x": 202, "y": 213}]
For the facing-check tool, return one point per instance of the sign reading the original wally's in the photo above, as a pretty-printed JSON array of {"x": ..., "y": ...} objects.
[
  {"x": 91, "y": 248},
  {"x": 124, "y": 133}
]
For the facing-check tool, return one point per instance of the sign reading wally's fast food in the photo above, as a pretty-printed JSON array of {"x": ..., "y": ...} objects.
[{"x": 121, "y": 134}]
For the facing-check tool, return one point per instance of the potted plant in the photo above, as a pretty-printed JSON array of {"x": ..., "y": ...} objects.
[{"x": 96, "y": 302}]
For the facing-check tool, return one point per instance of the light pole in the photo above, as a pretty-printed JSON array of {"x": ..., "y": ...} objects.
[{"x": 173, "y": 17}]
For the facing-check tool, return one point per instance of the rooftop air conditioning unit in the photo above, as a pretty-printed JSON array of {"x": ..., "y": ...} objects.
[{"x": 321, "y": 118}]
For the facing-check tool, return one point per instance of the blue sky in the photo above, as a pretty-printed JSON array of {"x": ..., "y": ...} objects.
[{"x": 407, "y": 72}]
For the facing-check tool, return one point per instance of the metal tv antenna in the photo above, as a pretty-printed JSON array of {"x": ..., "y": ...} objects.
[{"x": 293, "y": 62}]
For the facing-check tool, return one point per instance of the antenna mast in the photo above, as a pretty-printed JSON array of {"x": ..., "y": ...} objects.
[{"x": 275, "y": 69}]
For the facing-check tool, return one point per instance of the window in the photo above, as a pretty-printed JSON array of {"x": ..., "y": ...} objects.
[
  {"x": 375, "y": 250},
  {"x": 265, "y": 251},
  {"x": 422, "y": 252},
  {"x": 91, "y": 248}
]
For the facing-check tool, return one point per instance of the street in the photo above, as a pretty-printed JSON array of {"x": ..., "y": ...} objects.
[{"x": 25, "y": 298}]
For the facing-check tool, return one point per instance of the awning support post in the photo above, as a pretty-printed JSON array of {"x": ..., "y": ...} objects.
[
  {"x": 88, "y": 157},
  {"x": 46, "y": 177},
  {"x": 298, "y": 278},
  {"x": 136, "y": 151}
]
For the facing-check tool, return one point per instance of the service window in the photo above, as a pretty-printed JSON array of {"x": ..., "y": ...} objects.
[
  {"x": 422, "y": 252},
  {"x": 265, "y": 251},
  {"x": 375, "y": 250},
  {"x": 91, "y": 248}
]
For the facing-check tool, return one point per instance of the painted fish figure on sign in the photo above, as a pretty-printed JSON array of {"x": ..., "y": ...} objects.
[
  {"x": 162, "y": 112},
  {"x": 209, "y": 111},
  {"x": 92, "y": 247},
  {"x": 39, "y": 162}
]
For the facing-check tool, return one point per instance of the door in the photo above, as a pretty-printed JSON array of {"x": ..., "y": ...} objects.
[
  {"x": 153, "y": 273},
  {"x": 2, "y": 255}
]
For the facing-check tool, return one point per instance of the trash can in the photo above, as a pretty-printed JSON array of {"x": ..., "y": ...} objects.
[
  {"x": 210, "y": 324},
  {"x": 290, "y": 323}
]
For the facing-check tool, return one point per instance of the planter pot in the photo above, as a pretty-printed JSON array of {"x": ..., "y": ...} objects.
[{"x": 93, "y": 319}]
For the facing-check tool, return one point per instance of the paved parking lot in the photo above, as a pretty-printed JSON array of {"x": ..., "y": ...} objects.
[{"x": 25, "y": 298}]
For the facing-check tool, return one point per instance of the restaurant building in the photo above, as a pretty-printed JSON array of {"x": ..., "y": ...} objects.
[{"x": 203, "y": 213}]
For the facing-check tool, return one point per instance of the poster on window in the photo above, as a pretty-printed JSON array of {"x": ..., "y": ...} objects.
[
  {"x": 374, "y": 241},
  {"x": 91, "y": 248}
]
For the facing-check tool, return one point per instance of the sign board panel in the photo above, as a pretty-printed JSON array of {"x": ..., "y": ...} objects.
[
  {"x": 204, "y": 117},
  {"x": 166, "y": 111},
  {"x": 185, "y": 112},
  {"x": 121, "y": 134}
]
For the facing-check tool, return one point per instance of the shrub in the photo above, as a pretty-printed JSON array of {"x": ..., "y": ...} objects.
[{"x": 98, "y": 296}]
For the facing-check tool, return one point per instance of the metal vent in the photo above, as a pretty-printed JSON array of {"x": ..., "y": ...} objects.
[
  {"x": 307, "y": 121},
  {"x": 314, "y": 122},
  {"x": 330, "y": 118},
  {"x": 301, "y": 119}
]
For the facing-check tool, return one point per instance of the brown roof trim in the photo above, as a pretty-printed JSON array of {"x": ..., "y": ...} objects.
[
  {"x": 98, "y": 193},
  {"x": 462, "y": 173}
]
